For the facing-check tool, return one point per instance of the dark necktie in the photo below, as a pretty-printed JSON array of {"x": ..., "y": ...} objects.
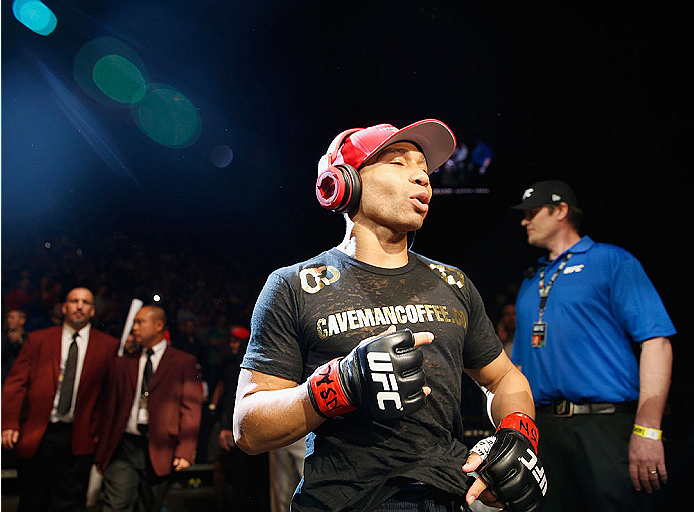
[
  {"x": 68, "y": 383},
  {"x": 144, "y": 390},
  {"x": 147, "y": 375}
]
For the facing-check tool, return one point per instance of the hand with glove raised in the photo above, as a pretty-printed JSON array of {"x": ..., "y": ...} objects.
[
  {"x": 510, "y": 468},
  {"x": 382, "y": 374}
]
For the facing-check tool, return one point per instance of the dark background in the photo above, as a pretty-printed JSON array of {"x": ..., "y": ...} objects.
[{"x": 592, "y": 94}]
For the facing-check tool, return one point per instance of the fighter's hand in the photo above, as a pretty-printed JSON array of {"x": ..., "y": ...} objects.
[
  {"x": 226, "y": 439},
  {"x": 383, "y": 374},
  {"x": 478, "y": 489},
  {"x": 9, "y": 438},
  {"x": 647, "y": 463},
  {"x": 180, "y": 463},
  {"x": 511, "y": 470}
]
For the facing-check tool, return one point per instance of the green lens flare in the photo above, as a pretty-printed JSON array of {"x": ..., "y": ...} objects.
[
  {"x": 110, "y": 72},
  {"x": 168, "y": 117},
  {"x": 119, "y": 79}
]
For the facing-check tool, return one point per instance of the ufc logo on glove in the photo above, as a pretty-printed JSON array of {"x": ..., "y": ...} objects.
[
  {"x": 382, "y": 371},
  {"x": 537, "y": 471},
  {"x": 382, "y": 374}
]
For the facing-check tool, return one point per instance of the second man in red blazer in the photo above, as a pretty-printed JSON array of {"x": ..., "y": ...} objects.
[{"x": 153, "y": 403}]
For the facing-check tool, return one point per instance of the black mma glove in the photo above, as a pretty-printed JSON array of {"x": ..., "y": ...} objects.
[
  {"x": 512, "y": 470},
  {"x": 382, "y": 374}
]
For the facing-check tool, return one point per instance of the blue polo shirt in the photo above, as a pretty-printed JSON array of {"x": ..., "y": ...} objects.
[{"x": 598, "y": 304}]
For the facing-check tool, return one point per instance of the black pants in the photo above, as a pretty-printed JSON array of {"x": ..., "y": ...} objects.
[
  {"x": 586, "y": 459},
  {"x": 422, "y": 498},
  {"x": 130, "y": 482},
  {"x": 54, "y": 479},
  {"x": 246, "y": 481}
]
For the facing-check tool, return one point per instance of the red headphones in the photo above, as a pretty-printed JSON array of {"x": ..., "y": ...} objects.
[{"x": 338, "y": 187}]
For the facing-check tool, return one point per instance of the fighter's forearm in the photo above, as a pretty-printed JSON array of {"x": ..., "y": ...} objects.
[
  {"x": 512, "y": 394},
  {"x": 509, "y": 387},
  {"x": 268, "y": 419}
]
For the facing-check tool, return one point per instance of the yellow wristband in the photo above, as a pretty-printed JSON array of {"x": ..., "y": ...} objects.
[{"x": 648, "y": 433}]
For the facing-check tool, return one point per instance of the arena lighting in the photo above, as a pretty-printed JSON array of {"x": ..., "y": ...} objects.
[
  {"x": 156, "y": 298},
  {"x": 113, "y": 74},
  {"x": 35, "y": 15},
  {"x": 222, "y": 156},
  {"x": 110, "y": 72},
  {"x": 119, "y": 79},
  {"x": 166, "y": 116}
]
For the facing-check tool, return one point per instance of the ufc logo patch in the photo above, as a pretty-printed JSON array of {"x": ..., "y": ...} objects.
[
  {"x": 573, "y": 269},
  {"x": 382, "y": 371},
  {"x": 537, "y": 471}
]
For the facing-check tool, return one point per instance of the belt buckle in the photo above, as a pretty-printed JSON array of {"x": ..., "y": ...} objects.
[
  {"x": 605, "y": 409},
  {"x": 563, "y": 409}
]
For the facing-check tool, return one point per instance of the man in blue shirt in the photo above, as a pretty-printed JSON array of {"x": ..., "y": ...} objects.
[{"x": 577, "y": 316}]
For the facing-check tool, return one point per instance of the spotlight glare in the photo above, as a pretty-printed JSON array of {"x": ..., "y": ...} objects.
[
  {"x": 119, "y": 79},
  {"x": 167, "y": 117},
  {"x": 35, "y": 15},
  {"x": 111, "y": 72}
]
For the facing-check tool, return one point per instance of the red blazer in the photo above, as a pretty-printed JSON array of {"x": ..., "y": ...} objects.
[
  {"x": 174, "y": 407},
  {"x": 33, "y": 381}
]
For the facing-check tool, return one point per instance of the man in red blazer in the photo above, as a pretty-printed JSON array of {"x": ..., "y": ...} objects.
[
  {"x": 153, "y": 421},
  {"x": 52, "y": 425}
]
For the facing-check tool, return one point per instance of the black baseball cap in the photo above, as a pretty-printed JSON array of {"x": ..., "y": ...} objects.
[{"x": 547, "y": 192}]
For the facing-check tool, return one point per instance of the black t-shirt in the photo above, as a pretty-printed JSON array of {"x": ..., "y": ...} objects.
[{"x": 320, "y": 309}]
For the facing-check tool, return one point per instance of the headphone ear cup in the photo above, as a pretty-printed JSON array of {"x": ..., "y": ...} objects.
[{"x": 338, "y": 188}]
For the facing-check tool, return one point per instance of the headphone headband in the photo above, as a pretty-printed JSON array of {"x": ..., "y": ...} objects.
[
  {"x": 338, "y": 188},
  {"x": 327, "y": 160}
]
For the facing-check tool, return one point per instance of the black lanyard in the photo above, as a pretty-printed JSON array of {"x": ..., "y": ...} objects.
[{"x": 544, "y": 290}]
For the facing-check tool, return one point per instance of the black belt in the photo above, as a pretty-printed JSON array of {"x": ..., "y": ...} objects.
[
  {"x": 60, "y": 425},
  {"x": 565, "y": 408}
]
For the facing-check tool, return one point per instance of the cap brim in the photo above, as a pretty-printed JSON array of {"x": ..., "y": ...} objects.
[
  {"x": 435, "y": 139},
  {"x": 527, "y": 205}
]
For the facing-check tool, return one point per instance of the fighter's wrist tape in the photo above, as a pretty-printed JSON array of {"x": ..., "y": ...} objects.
[
  {"x": 523, "y": 424},
  {"x": 648, "y": 433},
  {"x": 326, "y": 392}
]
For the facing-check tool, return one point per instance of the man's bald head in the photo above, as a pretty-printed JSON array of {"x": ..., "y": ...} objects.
[{"x": 158, "y": 314}]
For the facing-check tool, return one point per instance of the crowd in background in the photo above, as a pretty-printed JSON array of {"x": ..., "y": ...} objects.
[
  {"x": 200, "y": 305},
  {"x": 205, "y": 299},
  {"x": 202, "y": 297},
  {"x": 207, "y": 302}
]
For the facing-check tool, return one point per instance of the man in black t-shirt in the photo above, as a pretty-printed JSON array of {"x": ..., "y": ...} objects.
[{"x": 332, "y": 353}]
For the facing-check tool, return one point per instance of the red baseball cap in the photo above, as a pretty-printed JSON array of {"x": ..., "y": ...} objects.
[
  {"x": 434, "y": 139},
  {"x": 240, "y": 332}
]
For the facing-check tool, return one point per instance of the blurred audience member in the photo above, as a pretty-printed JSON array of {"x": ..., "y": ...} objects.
[
  {"x": 506, "y": 327},
  {"x": 50, "y": 407},
  {"x": 185, "y": 313},
  {"x": 187, "y": 339},
  {"x": 55, "y": 315},
  {"x": 13, "y": 339},
  {"x": 241, "y": 480},
  {"x": 213, "y": 351},
  {"x": 21, "y": 296},
  {"x": 153, "y": 405}
]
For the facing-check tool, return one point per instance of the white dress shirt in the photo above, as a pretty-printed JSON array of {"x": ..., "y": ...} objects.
[
  {"x": 65, "y": 342},
  {"x": 138, "y": 415}
]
